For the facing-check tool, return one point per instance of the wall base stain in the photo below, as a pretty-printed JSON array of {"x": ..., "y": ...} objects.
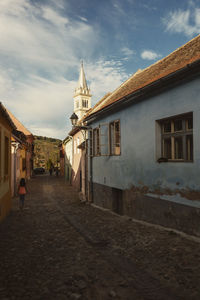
[
  {"x": 135, "y": 203},
  {"x": 185, "y": 193}
]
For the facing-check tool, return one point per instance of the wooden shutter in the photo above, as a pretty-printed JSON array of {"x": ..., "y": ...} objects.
[
  {"x": 104, "y": 139},
  {"x": 90, "y": 142}
]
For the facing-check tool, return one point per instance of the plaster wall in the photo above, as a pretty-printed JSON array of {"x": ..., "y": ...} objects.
[
  {"x": 137, "y": 165},
  {"x": 76, "y": 161},
  {"x": 5, "y": 180},
  {"x": 68, "y": 152},
  {"x": 68, "y": 159}
]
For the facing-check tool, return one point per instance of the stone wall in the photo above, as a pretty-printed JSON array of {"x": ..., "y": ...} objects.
[{"x": 169, "y": 214}]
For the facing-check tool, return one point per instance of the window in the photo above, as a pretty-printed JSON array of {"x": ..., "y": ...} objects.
[
  {"x": 177, "y": 138},
  {"x": 90, "y": 137},
  {"x": 96, "y": 146},
  {"x": 23, "y": 164},
  {"x": 114, "y": 138},
  {"x": 6, "y": 156},
  {"x": 77, "y": 104},
  {"x": 85, "y": 103},
  {"x": 105, "y": 140}
]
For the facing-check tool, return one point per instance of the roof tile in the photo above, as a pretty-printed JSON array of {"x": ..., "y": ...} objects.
[
  {"x": 181, "y": 57},
  {"x": 18, "y": 124}
]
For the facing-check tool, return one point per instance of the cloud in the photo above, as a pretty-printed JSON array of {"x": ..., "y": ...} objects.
[
  {"x": 105, "y": 76},
  {"x": 50, "y": 15},
  {"x": 150, "y": 55},
  {"x": 83, "y": 19},
  {"x": 46, "y": 105},
  {"x": 183, "y": 21},
  {"x": 149, "y": 7},
  {"x": 197, "y": 17},
  {"x": 128, "y": 52},
  {"x": 42, "y": 38},
  {"x": 40, "y": 52}
]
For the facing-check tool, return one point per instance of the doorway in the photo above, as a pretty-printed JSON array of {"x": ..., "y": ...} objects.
[{"x": 117, "y": 201}]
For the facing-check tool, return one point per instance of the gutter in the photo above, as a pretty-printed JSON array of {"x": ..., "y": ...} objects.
[{"x": 149, "y": 90}]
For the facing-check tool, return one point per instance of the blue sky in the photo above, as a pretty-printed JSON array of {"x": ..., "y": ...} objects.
[{"x": 43, "y": 41}]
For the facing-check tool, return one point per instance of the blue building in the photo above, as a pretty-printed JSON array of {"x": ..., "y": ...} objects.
[{"x": 145, "y": 143}]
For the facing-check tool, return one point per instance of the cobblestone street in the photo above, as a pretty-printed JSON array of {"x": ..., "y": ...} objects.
[{"x": 60, "y": 248}]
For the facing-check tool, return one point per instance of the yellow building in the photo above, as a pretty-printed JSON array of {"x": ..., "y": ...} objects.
[
  {"x": 26, "y": 153},
  {"x": 6, "y": 127}
]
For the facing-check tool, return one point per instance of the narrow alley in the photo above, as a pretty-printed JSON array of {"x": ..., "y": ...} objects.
[{"x": 61, "y": 248}]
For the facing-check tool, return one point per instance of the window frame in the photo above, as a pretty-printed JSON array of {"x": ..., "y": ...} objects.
[
  {"x": 23, "y": 163},
  {"x": 85, "y": 103},
  {"x": 105, "y": 146},
  {"x": 113, "y": 144},
  {"x": 96, "y": 142},
  {"x": 185, "y": 134},
  {"x": 105, "y": 142},
  {"x": 90, "y": 138}
]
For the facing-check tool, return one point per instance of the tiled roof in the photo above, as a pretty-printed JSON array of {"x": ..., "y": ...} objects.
[
  {"x": 18, "y": 124},
  {"x": 90, "y": 111},
  {"x": 6, "y": 116},
  {"x": 180, "y": 58},
  {"x": 96, "y": 106}
]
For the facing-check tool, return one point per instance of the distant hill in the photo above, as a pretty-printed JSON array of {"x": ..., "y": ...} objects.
[{"x": 46, "y": 149}]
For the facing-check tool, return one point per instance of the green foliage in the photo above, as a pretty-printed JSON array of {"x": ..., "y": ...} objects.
[
  {"x": 46, "y": 151},
  {"x": 49, "y": 164}
]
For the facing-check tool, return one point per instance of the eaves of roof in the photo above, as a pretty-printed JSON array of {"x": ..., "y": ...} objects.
[
  {"x": 19, "y": 125},
  {"x": 7, "y": 117},
  {"x": 67, "y": 139},
  {"x": 189, "y": 71},
  {"x": 16, "y": 137},
  {"x": 169, "y": 66}
]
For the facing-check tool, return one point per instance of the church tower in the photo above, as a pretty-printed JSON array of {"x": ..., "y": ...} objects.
[{"x": 82, "y": 96}]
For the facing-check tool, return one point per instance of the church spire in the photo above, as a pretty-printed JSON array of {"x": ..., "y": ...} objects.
[
  {"x": 82, "y": 96},
  {"x": 82, "y": 83}
]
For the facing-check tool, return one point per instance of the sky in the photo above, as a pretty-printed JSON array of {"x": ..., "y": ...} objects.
[{"x": 42, "y": 43}]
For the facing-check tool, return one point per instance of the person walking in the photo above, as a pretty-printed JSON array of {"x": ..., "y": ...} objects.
[{"x": 22, "y": 192}]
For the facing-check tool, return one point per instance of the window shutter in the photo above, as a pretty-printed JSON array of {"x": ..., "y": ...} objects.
[
  {"x": 90, "y": 140},
  {"x": 104, "y": 139}
]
